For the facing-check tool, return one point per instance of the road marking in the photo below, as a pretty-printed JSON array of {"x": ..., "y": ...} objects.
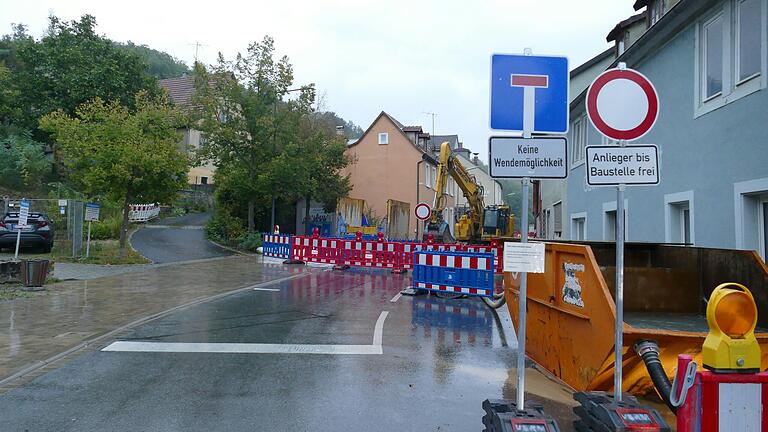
[
  {"x": 396, "y": 298},
  {"x": 255, "y": 348},
  {"x": 266, "y": 289}
]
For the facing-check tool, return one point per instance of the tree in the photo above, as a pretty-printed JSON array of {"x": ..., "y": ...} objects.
[
  {"x": 71, "y": 65},
  {"x": 22, "y": 162},
  {"x": 123, "y": 155},
  {"x": 263, "y": 143},
  {"x": 160, "y": 65}
]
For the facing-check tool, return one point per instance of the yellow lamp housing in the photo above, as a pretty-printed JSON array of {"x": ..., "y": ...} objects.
[{"x": 730, "y": 345}]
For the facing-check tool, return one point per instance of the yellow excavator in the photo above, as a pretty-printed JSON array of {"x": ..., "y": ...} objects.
[{"x": 479, "y": 223}]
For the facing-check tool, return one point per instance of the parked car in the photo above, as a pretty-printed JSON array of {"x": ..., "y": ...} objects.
[{"x": 39, "y": 231}]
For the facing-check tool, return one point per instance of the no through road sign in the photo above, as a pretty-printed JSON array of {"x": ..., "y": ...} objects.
[{"x": 528, "y": 157}]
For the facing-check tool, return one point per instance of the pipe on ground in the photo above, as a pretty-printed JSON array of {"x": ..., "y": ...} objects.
[{"x": 648, "y": 350}]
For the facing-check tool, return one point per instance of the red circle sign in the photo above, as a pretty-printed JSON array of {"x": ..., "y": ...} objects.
[
  {"x": 622, "y": 104},
  {"x": 422, "y": 211}
]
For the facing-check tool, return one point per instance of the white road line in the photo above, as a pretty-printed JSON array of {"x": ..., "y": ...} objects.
[
  {"x": 396, "y": 298},
  {"x": 266, "y": 289},
  {"x": 255, "y": 348}
]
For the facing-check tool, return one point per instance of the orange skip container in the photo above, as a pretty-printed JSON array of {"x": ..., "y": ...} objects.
[{"x": 571, "y": 310}]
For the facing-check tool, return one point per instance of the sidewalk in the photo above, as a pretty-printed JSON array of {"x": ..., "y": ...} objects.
[{"x": 72, "y": 313}]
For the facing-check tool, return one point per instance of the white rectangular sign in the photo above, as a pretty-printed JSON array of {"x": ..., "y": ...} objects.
[
  {"x": 23, "y": 214},
  {"x": 511, "y": 157},
  {"x": 630, "y": 165},
  {"x": 524, "y": 257},
  {"x": 92, "y": 212}
]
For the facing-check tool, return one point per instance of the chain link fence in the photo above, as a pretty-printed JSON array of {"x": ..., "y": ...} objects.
[{"x": 66, "y": 216}]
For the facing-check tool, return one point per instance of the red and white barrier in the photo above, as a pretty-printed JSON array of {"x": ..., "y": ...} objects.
[{"x": 143, "y": 212}]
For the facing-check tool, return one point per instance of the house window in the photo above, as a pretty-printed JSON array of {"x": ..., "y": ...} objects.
[
  {"x": 678, "y": 219},
  {"x": 578, "y": 140},
  {"x": 748, "y": 39},
  {"x": 656, "y": 10},
  {"x": 609, "y": 220},
  {"x": 579, "y": 226},
  {"x": 427, "y": 175},
  {"x": 434, "y": 176},
  {"x": 730, "y": 53},
  {"x": 383, "y": 138},
  {"x": 203, "y": 180},
  {"x": 713, "y": 57},
  {"x": 546, "y": 223},
  {"x": 557, "y": 209},
  {"x": 751, "y": 206}
]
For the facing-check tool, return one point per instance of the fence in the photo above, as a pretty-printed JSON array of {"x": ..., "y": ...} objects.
[
  {"x": 65, "y": 215},
  {"x": 362, "y": 252},
  {"x": 454, "y": 272},
  {"x": 143, "y": 212}
]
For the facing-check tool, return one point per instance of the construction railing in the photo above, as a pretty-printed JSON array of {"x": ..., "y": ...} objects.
[
  {"x": 143, "y": 212},
  {"x": 360, "y": 252}
]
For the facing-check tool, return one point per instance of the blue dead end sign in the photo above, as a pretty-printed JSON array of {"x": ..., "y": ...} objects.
[{"x": 529, "y": 89}]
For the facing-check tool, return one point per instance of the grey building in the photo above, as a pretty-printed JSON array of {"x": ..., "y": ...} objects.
[{"x": 708, "y": 62}]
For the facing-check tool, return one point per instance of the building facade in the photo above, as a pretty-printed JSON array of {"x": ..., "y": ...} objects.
[{"x": 708, "y": 62}]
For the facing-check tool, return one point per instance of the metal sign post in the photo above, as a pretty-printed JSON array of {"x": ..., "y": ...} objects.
[
  {"x": 21, "y": 223},
  {"x": 91, "y": 214},
  {"x": 623, "y": 105},
  {"x": 523, "y": 301}
]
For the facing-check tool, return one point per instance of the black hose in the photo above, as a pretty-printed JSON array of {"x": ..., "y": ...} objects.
[{"x": 648, "y": 350}]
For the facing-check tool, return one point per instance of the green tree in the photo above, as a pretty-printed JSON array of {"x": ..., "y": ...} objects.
[
  {"x": 160, "y": 65},
  {"x": 71, "y": 65},
  {"x": 123, "y": 155},
  {"x": 248, "y": 123},
  {"x": 23, "y": 164}
]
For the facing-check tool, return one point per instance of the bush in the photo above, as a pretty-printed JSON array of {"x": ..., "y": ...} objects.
[
  {"x": 106, "y": 229},
  {"x": 250, "y": 242},
  {"x": 223, "y": 227}
]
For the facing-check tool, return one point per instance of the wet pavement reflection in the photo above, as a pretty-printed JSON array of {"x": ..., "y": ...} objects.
[{"x": 440, "y": 359}]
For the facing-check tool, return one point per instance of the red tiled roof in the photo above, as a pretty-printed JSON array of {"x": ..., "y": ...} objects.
[{"x": 180, "y": 89}]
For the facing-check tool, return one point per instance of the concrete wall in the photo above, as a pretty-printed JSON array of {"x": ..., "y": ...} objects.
[{"x": 706, "y": 157}]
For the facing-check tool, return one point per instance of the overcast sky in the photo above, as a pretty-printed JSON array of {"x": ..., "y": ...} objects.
[{"x": 403, "y": 57}]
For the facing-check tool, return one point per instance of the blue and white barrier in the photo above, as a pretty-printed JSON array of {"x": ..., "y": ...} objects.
[
  {"x": 454, "y": 272},
  {"x": 276, "y": 245}
]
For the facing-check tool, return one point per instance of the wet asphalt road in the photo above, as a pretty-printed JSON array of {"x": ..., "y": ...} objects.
[
  {"x": 176, "y": 239},
  {"x": 439, "y": 360}
]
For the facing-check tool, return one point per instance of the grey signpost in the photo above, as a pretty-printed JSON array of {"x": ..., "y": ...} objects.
[
  {"x": 527, "y": 157},
  {"x": 621, "y": 114}
]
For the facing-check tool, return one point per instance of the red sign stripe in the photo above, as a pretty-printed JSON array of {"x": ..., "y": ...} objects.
[{"x": 530, "y": 80}]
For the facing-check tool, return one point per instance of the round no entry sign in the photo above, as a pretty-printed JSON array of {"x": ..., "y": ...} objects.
[
  {"x": 422, "y": 211},
  {"x": 622, "y": 104}
]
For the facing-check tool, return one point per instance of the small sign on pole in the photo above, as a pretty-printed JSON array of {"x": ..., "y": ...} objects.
[
  {"x": 630, "y": 165},
  {"x": 524, "y": 257},
  {"x": 91, "y": 214},
  {"x": 422, "y": 211},
  {"x": 512, "y": 157},
  {"x": 21, "y": 224}
]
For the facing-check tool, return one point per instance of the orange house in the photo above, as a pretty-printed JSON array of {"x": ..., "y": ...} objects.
[{"x": 393, "y": 169}]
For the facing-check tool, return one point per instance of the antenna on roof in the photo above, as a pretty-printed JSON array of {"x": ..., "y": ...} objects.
[
  {"x": 197, "y": 46},
  {"x": 433, "y": 119}
]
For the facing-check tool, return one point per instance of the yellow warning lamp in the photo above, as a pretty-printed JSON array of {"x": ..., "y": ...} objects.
[{"x": 730, "y": 345}]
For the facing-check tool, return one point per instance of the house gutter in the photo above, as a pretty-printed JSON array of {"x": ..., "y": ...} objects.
[{"x": 418, "y": 170}]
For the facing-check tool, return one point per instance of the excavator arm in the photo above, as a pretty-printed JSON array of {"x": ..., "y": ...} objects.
[{"x": 470, "y": 227}]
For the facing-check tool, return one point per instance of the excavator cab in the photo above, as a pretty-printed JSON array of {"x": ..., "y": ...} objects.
[{"x": 497, "y": 222}]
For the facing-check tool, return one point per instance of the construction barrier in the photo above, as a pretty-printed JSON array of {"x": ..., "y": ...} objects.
[
  {"x": 143, "y": 212},
  {"x": 454, "y": 272},
  {"x": 361, "y": 252},
  {"x": 276, "y": 245}
]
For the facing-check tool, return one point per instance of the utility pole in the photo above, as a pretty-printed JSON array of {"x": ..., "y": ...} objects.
[
  {"x": 433, "y": 119},
  {"x": 197, "y": 46}
]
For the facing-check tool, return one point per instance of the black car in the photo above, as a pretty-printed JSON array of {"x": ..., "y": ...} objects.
[{"x": 39, "y": 231}]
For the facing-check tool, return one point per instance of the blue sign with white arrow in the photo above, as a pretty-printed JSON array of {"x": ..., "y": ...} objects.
[{"x": 529, "y": 93}]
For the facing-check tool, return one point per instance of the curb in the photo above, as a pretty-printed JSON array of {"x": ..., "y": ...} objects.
[{"x": 99, "y": 339}]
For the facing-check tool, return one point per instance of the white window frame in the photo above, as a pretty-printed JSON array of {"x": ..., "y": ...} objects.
[
  {"x": 383, "y": 138},
  {"x": 732, "y": 89},
  {"x": 670, "y": 202},
  {"x": 574, "y": 218},
  {"x": 554, "y": 217},
  {"x": 611, "y": 206},
  {"x": 579, "y": 134},
  {"x": 741, "y": 192},
  {"x": 427, "y": 175}
]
